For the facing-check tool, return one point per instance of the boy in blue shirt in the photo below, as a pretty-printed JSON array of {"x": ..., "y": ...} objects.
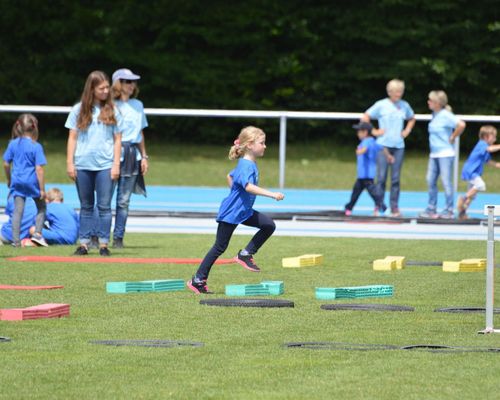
[
  {"x": 366, "y": 153},
  {"x": 61, "y": 220},
  {"x": 474, "y": 165}
]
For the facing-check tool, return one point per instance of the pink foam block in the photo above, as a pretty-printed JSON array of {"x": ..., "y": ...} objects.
[
  {"x": 21, "y": 287},
  {"x": 50, "y": 310},
  {"x": 124, "y": 260}
]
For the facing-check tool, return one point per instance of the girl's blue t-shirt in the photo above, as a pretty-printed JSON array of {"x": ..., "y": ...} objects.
[
  {"x": 133, "y": 119},
  {"x": 63, "y": 222},
  {"x": 25, "y": 154},
  {"x": 441, "y": 126},
  {"x": 474, "y": 165},
  {"x": 367, "y": 162},
  {"x": 95, "y": 145},
  {"x": 237, "y": 207},
  {"x": 391, "y": 117}
]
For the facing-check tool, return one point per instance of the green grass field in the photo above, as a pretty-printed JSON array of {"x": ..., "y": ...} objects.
[
  {"x": 243, "y": 355},
  {"x": 322, "y": 165}
]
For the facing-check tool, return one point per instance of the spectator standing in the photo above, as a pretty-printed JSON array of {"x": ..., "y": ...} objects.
[
  {"x": 134, "y": 159},
  {"x": 391, "y": 113},
  {"x": 444, "y": 128},
  {"x": 93, "y": 158}
]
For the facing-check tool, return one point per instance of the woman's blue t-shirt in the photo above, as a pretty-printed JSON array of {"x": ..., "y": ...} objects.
[
  {"x": 441, "y": 126},
  {"x": 237, "y": 207},
  {"x": 25, "y": 154}
]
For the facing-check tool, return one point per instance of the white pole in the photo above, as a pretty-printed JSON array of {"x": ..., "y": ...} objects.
[
  {"x": 282, "y": 151},
  {"x": 455, "y": 167},
  {"x": 490, "y": 271}
]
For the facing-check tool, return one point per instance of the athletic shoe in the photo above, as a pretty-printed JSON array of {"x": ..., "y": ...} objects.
[
  {"x": 376, "y": 212},
  {"x": 38, "y": 239},
  {"x": 461, "y": 204},
  {"x": 198, "y": 286},
  {"x": 463, "y": 216},
  {"x": 104, "y": 251},
  {"x": 246, "y": 262},
  {"x": 348, "y": 213},
  {"x": 94, "y": 242},
  {"x": 396, "y": 213},
  {"x": 81, "y": 251},
  {"x": 446, "y": 215},
  {"x": 429, "y": 215},
  {"x": 117, "y": 243}
]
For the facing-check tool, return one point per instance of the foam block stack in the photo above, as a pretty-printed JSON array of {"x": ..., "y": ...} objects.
[
  {"x": 306, "y": 260},
  {"x": 354, "y": 292},
  {"x": 390, "y": 263},
  {"x": 265, "y": 288},
  {"x": 466, "y": 265},
  {"x": 36, "y": 312},
  {"x": 166, "y": 285}
]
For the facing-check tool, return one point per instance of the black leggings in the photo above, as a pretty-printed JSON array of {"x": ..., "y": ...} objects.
[{"x": 224, "y": 232}]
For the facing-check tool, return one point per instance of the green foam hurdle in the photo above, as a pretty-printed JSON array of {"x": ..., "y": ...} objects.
[
  {"x": 354, "y": 292},
  {"x": 265, "y": 288},
  {"x": 167, "y": 285}
]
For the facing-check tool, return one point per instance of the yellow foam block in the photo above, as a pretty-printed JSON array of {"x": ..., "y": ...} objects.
[
  {"x": 306, "y": 260},
  {"x": 400, "y": 261},
  {"x": 460, "y": 266},
  {"x": 384, "y": 265},
  {"x": 480, "y": 262}
]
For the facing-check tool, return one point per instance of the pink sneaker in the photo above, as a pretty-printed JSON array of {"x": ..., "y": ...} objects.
[{"x": 348, "y": 213}]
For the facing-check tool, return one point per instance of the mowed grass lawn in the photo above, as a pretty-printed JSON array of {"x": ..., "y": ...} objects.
[
  {"x": 320, "y": 165},
  {"x": 243, "y": 356}
]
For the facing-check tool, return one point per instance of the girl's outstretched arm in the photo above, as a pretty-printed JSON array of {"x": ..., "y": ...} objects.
[{"x": 258, "y": 191}]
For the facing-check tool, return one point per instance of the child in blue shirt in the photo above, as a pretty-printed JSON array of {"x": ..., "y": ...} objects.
[
  {"x": 473, "y": 167},
  {"x": 237, "y": 207},
  {"x": 366, "y": 153},
  {"x": 62, "y": 222},
  {"x": 27, "y": 221},
  {"x": 23, "y": 163}
]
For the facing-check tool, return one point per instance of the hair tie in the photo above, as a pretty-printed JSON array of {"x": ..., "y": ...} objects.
[{"x": 237, "y": 142}]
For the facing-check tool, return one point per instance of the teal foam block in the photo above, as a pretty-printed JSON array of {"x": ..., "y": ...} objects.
[
  {"x": 354, "y": 292},
  {"x": 167, "y": 285},
  {"x": 274, "y": 287}
]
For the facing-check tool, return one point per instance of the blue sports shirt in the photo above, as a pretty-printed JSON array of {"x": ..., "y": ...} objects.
[
  {"x": 63, "y": 224},
  {"x": 474, "y": 165},
  {"x": 94, "y": 146},
  {"x": 391, "y": 117},
  {"x": 441, "y": 126},
  {"x": 367, "y": 162},
  {"x": 237, "y": 207},
  {"x": 25, "y": 154}
]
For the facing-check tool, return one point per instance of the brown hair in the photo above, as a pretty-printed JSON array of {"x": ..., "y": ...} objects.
[
  {"x": 25, "y": 125},
  {"x": 247, "y": 135},
  {"x": 116, "y": 90},
  {"x": 55, "y": 194},
  {"x": 107, "y": 114},
  {"x": 487, "y": 130}
]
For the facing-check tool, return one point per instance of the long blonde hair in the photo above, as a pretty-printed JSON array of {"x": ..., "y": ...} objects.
[
  {"x": 440, "y": 97},
  {"x": 248, "y": 135},
  {"x": 116, "y": 90}
]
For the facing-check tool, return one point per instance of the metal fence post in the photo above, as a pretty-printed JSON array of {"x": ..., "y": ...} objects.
[
  {"x": 282, "y": 155},
  {"x": 455, "y": 166}
]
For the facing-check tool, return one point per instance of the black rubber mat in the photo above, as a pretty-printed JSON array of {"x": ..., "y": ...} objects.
[
  {"x": 264, "y": 303},
  {"x": 466, "y": 310},
  {"x": 148, "y": 343},
  {"x": 366, "y": 307}
]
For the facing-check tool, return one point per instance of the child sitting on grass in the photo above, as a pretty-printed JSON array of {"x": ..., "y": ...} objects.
[
  {"x": 473, "y": 167},
  {"x": 62, "y": 220},
  {"x": 27, "y": 221}
]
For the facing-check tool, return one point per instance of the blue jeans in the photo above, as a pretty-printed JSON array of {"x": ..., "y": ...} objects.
[
  {"x": 440, "y": 166},
  {"x": 123, "y": 194},
  {"x": 95, "y": 188},
  {"x": 382, "y": 171}
]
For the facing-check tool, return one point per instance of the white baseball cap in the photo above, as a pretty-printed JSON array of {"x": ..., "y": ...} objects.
[{"x": 125, "y": 73}]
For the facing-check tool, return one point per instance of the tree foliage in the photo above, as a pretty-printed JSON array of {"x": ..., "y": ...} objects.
[{"x": 256, "y": 54}]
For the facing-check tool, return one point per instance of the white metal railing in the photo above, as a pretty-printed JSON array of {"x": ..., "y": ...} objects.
[{"x": 281, "y": 115}]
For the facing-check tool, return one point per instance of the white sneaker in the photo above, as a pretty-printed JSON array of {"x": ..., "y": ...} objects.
[{"x": 38, "y": 239}]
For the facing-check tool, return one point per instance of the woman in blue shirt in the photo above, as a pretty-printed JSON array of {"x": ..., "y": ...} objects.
[
  {"x": 134, "y": 159},
  {"x": 444, "y": 128},
  {"x": 237, "y": 207},
  {"x": 93, "y": 158},
  {"x": 391, "y": 113}
]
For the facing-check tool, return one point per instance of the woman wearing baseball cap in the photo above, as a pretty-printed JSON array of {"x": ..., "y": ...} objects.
[{"x": 134, "y": 159}]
